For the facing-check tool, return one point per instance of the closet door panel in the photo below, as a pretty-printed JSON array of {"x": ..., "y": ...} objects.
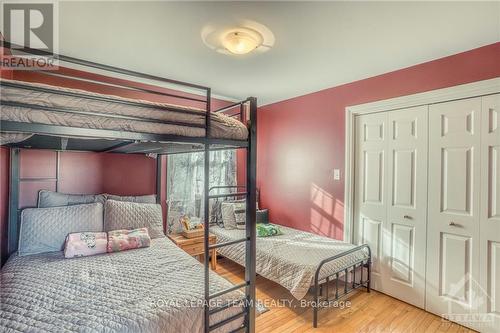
[
  {"x": 493, "y": 279},
  {"x": 370, "y": 196},
  {"x": 373, "y": 177},
  {"x": 371, "y": 232},
  {"x": 402, "y": 253},
  {"x": 457, "y": 169},
  {"x": 453, "y": 218},
  {"x": 405, "y": 227},
  {"x": 455, "y": 265},
  {"x": 493, "y": 181},
  {"x": 490, "y": 212},
  {"x": 403, "y": 178}
]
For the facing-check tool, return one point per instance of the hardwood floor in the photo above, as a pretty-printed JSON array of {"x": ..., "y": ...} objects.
[{"x": 369, "y": 312}]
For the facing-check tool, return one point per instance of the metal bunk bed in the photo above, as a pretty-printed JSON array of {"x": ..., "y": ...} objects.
[{"x": 59, "y": 138}]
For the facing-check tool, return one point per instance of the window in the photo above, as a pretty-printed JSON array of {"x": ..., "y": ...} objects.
[{"x": 185, "y": 182}]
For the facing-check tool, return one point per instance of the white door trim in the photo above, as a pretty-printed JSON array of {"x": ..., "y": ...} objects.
[{"x": 468, "y": 90}]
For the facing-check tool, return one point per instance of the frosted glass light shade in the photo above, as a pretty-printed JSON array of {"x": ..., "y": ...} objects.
[{"x": 239, "y": 42}]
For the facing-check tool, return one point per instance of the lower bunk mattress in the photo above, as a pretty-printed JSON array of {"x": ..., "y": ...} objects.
[
  {"x": 291, "y": 259},
  {"x": 155, "y": 289}
]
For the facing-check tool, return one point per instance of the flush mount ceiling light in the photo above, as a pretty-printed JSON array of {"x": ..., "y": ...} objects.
[
  {"x": 242, "y": 41},
  {"x": 248, "y": 37}
]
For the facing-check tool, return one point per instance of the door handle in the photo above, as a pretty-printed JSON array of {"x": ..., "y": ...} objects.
[
  {"x": 453, "y": 224},
  {"x": 408, "y": 217}
]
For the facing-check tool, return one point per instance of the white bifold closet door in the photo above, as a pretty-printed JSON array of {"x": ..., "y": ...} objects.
[
  {"x": 391, "y": 199},
  {"x": 405, "y": 229},
  {"x": 427, "y": 201},
  {"x": 489, "y": 264},
  {"x": 463, "y": 277},
  {"x": 454, "y": 209},
  {"x": 370, "y": 195}
]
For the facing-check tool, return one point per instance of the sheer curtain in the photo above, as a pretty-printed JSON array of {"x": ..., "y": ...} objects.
[{"x": 185, "y": 182}]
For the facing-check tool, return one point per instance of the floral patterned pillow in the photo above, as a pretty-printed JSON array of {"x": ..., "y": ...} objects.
[
  {"x": 121, "y": 240},
  {"x": 82, "y": 244}
]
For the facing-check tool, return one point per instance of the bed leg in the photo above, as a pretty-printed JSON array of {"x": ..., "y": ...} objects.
[
  {"x": 315, "y": 304},
  {"x": 326, "y": 288},
  {"x": 369, "y": 270},
  {"x": 315, "y": 310}
]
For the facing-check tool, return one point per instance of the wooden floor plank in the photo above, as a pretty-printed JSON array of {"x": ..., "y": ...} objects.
[{"x": 369, "y": 312}]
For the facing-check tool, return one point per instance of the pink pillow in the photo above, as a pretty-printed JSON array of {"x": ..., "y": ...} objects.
[
  {"x": 121, "y": 240},
  {"x": 82, "y": 244}
]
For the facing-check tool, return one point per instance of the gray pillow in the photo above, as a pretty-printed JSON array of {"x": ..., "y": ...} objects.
[
  {"x": 228, "y": 218},
  {"x": 55, "y": 199},
  {"x": 234, "y": 214},
  {"x": 132, "y": 215},
  {"x": 216, "y": 213},
  {"x": 240, "y": 214},
  {"x": 45, "y": 229},
  {"x": 150, "y": 198}
]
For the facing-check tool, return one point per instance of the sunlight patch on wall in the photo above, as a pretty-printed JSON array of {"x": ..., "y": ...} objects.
[{"x": 326, "y": 212}]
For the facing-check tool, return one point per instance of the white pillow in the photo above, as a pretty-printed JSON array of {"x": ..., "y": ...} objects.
[
  {"x": 45, "y": 229},
  {"x": 132, "y": 215}
]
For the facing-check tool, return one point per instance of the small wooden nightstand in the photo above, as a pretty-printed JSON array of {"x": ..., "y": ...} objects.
[{"x": 194, "y": 246}]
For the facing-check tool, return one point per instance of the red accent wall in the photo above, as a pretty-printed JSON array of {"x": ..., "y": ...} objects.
[
  {"x": 8, "y": 74},
  {"x": 125, "y": 174},
  {"x": 84, "y": 173},
  {"x": 4, "y": 201},
  {"x": 301, "y": 140},
  {"x": 241, "y": 167}
]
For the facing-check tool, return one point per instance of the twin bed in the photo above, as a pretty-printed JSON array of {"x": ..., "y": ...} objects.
[{"x": 292, "y": 259}]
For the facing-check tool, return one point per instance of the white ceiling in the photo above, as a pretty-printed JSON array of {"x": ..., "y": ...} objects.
[{"x": 318, "y": 45}]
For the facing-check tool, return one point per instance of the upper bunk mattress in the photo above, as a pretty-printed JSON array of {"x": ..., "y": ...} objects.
[
  {"x": 290, "y": 259},
  {"x": 57, "y": 98},
  {"x": 154, "y": 289}
]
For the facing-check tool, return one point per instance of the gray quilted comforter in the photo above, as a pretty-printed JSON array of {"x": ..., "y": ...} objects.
[
  {"x": 155, "y": 289},
  {"x": 290, "y": 259},
  {"x": 222, "y": 126}
]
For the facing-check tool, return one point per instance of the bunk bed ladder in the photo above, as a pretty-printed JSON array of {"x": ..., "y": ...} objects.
[{"x": 250, "y": 193}]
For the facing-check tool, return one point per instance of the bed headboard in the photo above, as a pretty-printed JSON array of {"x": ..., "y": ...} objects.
[
  {"x": 228, "y": 192},
  {"x": 32, "y": 170}
]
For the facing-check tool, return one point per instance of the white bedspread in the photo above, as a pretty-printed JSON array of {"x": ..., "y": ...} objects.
[
  {"x": 155, "y": 289},
  {"x": 290, "y": 259}
]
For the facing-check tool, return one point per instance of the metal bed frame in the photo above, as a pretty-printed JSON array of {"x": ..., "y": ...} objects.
[
  {"x": 322, "y": 283},
  {"x": 54, "y": 137}
]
